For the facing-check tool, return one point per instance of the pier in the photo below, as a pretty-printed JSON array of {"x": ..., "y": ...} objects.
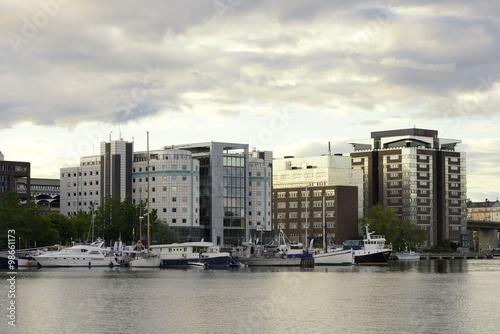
[{"x": 450, "y": 256}]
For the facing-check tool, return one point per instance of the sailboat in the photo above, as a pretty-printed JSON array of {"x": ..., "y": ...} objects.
[
  {"x": 335, "y": 256},
  {"x": 144, "y": 258}
]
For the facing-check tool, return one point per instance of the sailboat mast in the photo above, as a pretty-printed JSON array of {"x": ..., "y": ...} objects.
[
  {"x": 147, "y": 168},
  {"x": 324, "y": 223}
]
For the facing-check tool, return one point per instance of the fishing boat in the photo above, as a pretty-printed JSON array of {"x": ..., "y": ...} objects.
[
  {"x": 333, "y": 255},
  {"x": 372, "y": 250},
  {"x": 92, "y": 255}
]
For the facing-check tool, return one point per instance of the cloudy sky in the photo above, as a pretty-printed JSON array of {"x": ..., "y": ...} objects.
[{"x": 284, "y": 75}]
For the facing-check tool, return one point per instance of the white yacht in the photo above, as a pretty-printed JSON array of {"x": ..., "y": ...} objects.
[{"x": 93, "y": 255}]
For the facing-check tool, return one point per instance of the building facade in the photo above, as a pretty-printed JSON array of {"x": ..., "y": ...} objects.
[
  {"x": 225, "y": 190},
  {"x": 173, "y": 188},
  {"x": 318, "y": 173},
  {"x": 304, "y": 213},
  {"x": 213, "y": 191},
  {"x": 45, "y": 193},
  {"x": 419, "y": 175},
  {"x": 487, "y": 211},
  {"x": 260, "y": 195},
  {"x": 12, "y": 173}
]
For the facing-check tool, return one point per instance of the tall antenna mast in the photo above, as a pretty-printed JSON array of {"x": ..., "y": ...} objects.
[{"x": 148, "y": 190}]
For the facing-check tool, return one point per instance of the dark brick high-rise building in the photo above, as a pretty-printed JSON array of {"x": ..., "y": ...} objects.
[{"x": 419, "y": 175}]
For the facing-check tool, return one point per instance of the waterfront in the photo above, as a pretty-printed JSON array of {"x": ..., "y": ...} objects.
[{"x": 427, "y": 296}]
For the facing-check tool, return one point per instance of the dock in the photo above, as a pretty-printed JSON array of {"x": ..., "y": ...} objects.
[
  {"x": 278, "y": 262},
  {"x": 449, "y": 256}
]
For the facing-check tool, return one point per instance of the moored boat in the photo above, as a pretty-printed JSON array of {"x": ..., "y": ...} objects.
[
  {"x": 372, "y": 250},
  {"x": 334, "y": 257},
  {"x": 23, "y": 258},
  {"x": 182, "y": 255},
  {"x": 93, "y": 255},
  {"x": 407, "y": 255}
]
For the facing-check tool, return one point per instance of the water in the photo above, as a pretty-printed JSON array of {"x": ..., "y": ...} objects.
[{"x": 428, "y": 296}]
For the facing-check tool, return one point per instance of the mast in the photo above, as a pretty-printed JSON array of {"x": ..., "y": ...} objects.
[
  {"x": 147, "y": 169},
  {"x": 307, "y": 204},
  {"x": 324, "y": 224}
]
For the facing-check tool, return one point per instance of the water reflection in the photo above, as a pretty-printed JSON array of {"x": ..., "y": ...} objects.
[{"x": 427, "y": 296}]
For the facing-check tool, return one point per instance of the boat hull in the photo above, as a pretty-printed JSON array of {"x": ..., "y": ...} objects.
[
  {"x": 408, "y": 257},
  {"x": 373, "y": 258},
  {"x": 19, "y": 262},
  {"x": 46, "y": 261},
  {"x": 336, "y": 258},
  {"x": 145, "y": 262},
  {"x": 271, "y": 262},
  {"x": 214, "y": 262}
]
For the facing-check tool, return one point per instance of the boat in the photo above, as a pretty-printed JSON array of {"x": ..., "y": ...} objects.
[
  {"x": 333, "y": 255},
  {"x": 22, "y": 258},
  {"x": 372, "y": 250},
  {"x": 286, "y": 254},
  {"x": 144, "y": 258},
  {"x": 185, "y": 254},
  {"x": 495, "y": 251},
  {"x": 81, "y": 255},
  {"x": 289, "y": 249},
  {"x": 407, "y": 255}
]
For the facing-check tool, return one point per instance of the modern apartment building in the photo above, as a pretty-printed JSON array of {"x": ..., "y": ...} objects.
[
  {"x": 13, "y": 172},
  {"x": 419, "y": 175},
  {"x": 225, "y": 190}
]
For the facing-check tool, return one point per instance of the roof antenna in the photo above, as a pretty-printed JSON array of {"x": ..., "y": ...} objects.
[{"x": 329, "y": 150}]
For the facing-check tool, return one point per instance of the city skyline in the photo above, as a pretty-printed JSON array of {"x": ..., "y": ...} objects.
[{"x": 288, "y": 77}]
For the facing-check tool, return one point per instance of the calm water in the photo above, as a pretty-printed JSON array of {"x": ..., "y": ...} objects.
[{"x": 428, "y": 296}]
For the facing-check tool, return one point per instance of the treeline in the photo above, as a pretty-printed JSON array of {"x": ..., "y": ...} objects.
[{"x": 111, "y": 221}]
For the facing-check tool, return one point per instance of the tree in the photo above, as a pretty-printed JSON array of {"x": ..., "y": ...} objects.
[
  {"x": 399, "y": 234},
  {"x": 162, "y": 233},
  {"x": 64, "y": 226},
  {"x": 382, "y": 221},
  {"x": 410, "y": 236}
]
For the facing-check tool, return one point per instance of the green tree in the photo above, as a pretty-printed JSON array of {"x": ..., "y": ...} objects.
[
  {"x": 399, "y": 234},
  {"x": 382, "y": 221},
  {"x": 64, "y": 226},
  {"x": 31, "y": 228},
  {"x": 164, "y": 234},
  {"x": 410, "y": 236}
]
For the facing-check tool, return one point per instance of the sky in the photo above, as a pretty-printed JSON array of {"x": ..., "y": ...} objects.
[{"x": 286, "y": 76}]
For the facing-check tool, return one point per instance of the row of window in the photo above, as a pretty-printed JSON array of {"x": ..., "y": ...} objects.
[
  {"x": 295, "y": 215},
  {"x": 79, "y": 174},
  {"x": 316, "y": 193}
]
